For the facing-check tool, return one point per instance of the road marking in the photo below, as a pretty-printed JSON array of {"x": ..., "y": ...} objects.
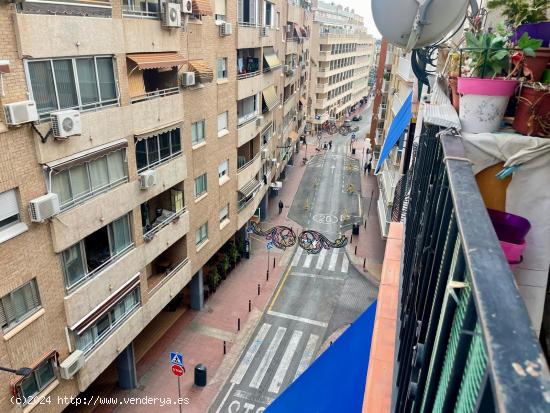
[
  {"x": 280, "y": 287},
  {"x": 307, "y": 262},
  {"x": 333, "y": 259},
  {"x": 321, "y": 259},
  {"x": 296, "y": 318},
  {"x": 322, "y": 277},
  {"x": 225, "y": 398},
  {"x": 280, "y": 374},
  {"x": 250, "y": 354},
  {"x": 268, "y": 358},
  {"x": 345, "y": 263},
  {"x": 308, "y": 354},
  {"x": 297, "y": 257}
]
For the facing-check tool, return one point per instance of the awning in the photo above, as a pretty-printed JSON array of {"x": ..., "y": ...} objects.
[
  {"x": 271, "y": 57},
  {"x": 87, "y": 155},
  {"x": 297, "y": 30},
  {"x": 203, "y": 71},
  {"x": 304, "y": 31},
  {"x": 158, "y": 131},
  {"x": 156, "y": 60},
  {"x": 4, "y": 66},
  {"x": 270, "y": 97},
  {"x": 337, "y": 377},
  {"x": 202, "y": 7},
  {"x": 14, "y": 382},
  {"x": 398, "y": 126},
  {"x": 250, "y": 187},
  {"x": 303, "y": 101}
]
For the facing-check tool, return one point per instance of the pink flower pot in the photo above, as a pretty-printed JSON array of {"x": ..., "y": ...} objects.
[{"x": 513, "y": 251}]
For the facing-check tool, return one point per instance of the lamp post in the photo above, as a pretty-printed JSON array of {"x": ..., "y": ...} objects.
[{"x": 22, "y": 371}]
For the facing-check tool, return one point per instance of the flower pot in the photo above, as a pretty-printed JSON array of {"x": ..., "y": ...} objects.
[
  {"x": 509, "y": 227},
  {"x": 535, "y": 65},
  {"x": 539, "y": 30},
  {"x": 533, "y": 111},
  {"x": 483, "y": 102}
]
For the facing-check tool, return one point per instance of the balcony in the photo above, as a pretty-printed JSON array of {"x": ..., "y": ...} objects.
[
  {"x": 248, "y": 35},
  {"x": 248, "y": 199},
  {"x": 248, "y": 170},
  {"x": 404, "y": 70},
  {"x": 147, "y": 26},
  {"x": 166, "y": 265},
  {"x": 249, "y": 81},
  {"x": 162, "y": 210}
]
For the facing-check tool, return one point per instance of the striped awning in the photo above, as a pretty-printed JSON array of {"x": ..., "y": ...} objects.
[
  {"x": 157, "y": 131},
  {"x": 203, "y": 71},
  {"x": 202, "y": 7},
  {"x": 250, "y": 187},
  {"x": 87, "y": 155},
  {"x": 271, "y": 57},
  {"x": 270, "y": 97},
  {"x": 298, "y": 30},
  {"x": 156, "y": 60}
]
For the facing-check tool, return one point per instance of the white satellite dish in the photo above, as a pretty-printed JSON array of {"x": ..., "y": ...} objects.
[{"x": 412, "y": 24}]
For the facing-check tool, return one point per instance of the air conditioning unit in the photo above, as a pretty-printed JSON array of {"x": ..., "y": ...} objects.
[
  {"x": 188, "y": 79},
  {"x": 264, "y": 31},
  {"x": 21, "y": 112},
  {"x": 44, "y": 207},
  {"x": 187, "y": 6},
  {"x": 225, "y": 29},
  {"x": 264, "y": 154},
  {"x": 147, "y": 179},
  {"x": 66, "y": 123},
  {"x": 171, "y": 15},
  {"x": 72, "y": 364}
]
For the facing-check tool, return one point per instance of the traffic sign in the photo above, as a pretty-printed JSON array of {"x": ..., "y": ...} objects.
[
  {"x": 177, "y": 370},
  {"x": 176, "y": 358}
]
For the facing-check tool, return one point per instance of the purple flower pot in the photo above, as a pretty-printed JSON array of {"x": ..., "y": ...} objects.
[
  {"x": 539, "y": 30},
  {"x": 509, "y": 227}
]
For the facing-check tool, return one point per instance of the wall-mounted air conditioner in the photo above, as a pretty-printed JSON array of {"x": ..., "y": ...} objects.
[
  {"x": 72, "y": 364},
  {"x": 21, "y": 112},
  {"x": 264, "y": 31},
  {"x": 188, "y": 79},
  {"x": 147, "y": 179},
  {"x": 225, "y": 29},
  {"x": 187, "y": 6},
  {"x": 66, "y": 123},
  {"x": 44, "y": 207},
  {"x": 171, "y": 15}
]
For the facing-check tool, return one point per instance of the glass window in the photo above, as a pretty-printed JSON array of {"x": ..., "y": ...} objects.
[
  {"x": 197, "y": 132},
  {"x": 141, "y": 154},
  {"x": 175, "y": 141},
  {"x": 99, "y": 175},
  {"x": 115, "y": 164},
  {"x": 9, "y": 209},
  {"x": 120, "y": 235},
  {"x": 200, "y": 185},
  {"x": 37, "y": 381},
  {"x": 73, "y": 265},
  {"x": 221, "y": 65},
  {"x": 164, "y": 143},
  {"x": 224, "y": 213},
  {"x": 19, "y": 304},
  {"x": 201, "y": 234},
  {"x": 157, "y": 149},
  {"x": 64, "y": 80},
  {"x": 222, "y": 121},
  {"x": 87, "y": 81},
  {"x": 42, "y": 85},
  {"x": 223, "y": 169},
  {"x": 106, "y": 78},
  {"x": 152, "y": 150}
]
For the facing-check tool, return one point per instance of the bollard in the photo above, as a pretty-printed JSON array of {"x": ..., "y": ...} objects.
[
  {"x": 238, "y": 324},
  {"x": 273, "y": 262},
  {"x": 356, "y": 250},
  {"x": 365, "y": 224},
  {"x": 224, "y": 349},
  {"x": 258, "y": 289},
  {"x": 249, "y": 305},
  {"x": 364, "y": 262},
  {"x": 351, "y": 239}
]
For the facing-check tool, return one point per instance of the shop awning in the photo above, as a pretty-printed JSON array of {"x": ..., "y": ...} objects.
[
  {"x": 250, "y": 187},
  {"x": 271, "y": 57},
  {"x": 203, "y": 71},
  {"x": 335, "y": 381},
  {"x": 270, "y": 97},
  {"x": 398, "y": 126},
  {"x": 156, "y": 60},
  {"x": 87, "y": 155},
  {"x": 202, "y": 7}
]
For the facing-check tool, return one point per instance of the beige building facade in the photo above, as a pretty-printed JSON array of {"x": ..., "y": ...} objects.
[{"x": 139, "y": 138}]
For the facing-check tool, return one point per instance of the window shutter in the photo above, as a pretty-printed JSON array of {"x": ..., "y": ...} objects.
[
  {"x": 31, "y": 295},
  {"x": 3, "y": 319},
  {"x": 8, "y": 204},
  {"x": 219, "y": 7},
  {"x": 240, "y": 8}
]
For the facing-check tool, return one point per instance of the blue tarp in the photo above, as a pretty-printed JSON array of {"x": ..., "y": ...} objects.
[
  {"x": 398, "y": 126},
  {"x": 335, "y": 382}
]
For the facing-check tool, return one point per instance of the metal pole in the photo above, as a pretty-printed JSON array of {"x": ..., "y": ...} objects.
[
  {"x": 267, "y": 274},
  {"x": 249, "y": 305},
  {"x": 179, "y": 391}
]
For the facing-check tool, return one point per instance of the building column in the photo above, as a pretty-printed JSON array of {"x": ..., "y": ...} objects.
[
  {"x": 126, "y": 368},
  {"x": 196, "y": 290},
  {"x": 264, "y": 206}
]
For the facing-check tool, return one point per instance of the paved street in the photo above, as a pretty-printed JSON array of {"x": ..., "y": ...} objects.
[{"x": 318, "y": 295}]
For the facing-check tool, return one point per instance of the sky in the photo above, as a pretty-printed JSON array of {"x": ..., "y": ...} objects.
[{"x": 361, "y": 7}]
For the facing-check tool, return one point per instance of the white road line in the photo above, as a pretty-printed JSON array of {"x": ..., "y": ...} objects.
[
  {"x": 322, "y": 277},
  {"x": 296, "y": 318},
  {"x": 297, "y": 256},
  {"x": 321, "y": 259},
  {"x": 333, "y": 259},
  {"x": 280, "y": 374},
  {"x": 308, "y": 354},
  {"x": 250, "y": 354},
  {"x": 307, "y": 262},
  {"x": 345, "y": 263},
  {"x": 268, "y": 358},
  {"x": 225, "y": 397}
]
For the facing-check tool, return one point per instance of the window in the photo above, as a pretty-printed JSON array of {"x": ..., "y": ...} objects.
[
  {"x": 219, "y": 10},
  {"x": 224, "y": 213},
  {"x": 278, "y": 19},
  {"x": 19, "y": 304},
  {"x": 9, "y": 209},
  {"x": 79, "y": 83},
  {"x": 108, "y": 321},
  {"x": 96, "y": 251},
  {"x": 37, "y": 381},
  {"x": 221, "y": 65},
  {"x": 197, "y": 132},
  {"x": 223, "y": 170},
  {"x": 157, "y": 149},
  {"x": 201, "y": 234},
  {"x": 143, "y": 8},
  {"x": 82, "y": 182},
  {"x": 268, "y": 14},
  {"x": 200, "y": 185},
  {"x": 222, "y": 122}
]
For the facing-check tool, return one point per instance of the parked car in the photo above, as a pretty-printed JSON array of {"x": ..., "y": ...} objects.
[{"x": 357, "y": 118}]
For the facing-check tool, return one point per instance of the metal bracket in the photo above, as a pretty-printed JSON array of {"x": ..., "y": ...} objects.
[{"x": 454, "y": 285}]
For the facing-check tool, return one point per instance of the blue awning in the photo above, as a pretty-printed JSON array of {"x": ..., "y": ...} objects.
[
  {"x": 398, "y": 126},
  {"x": 335, "y": 382}
]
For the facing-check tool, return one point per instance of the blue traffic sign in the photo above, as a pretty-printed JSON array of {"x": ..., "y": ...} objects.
[{"x": 176, "y": 358}]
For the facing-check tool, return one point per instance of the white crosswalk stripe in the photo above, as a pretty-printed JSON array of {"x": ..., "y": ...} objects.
[
  {"x": 280, "y": 374},
  {"x": 307, "y": 355},
  {"x": 250, "y": 354},
  {"x": 268, "y": 358},
  {"x": 321, "y": 259},
  {"x": 345, "y": 264},
  {"x": 297, "y": 257},
  {"x": 308, "y": 260},
  {"x": 333, "y": 259}
]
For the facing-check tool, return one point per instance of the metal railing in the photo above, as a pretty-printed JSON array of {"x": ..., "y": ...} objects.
[
  {"x": 248, "y": 163},
  {"x": 465, "y": 341},
  {"x": 248, "y": 75},
  {"x": 155, "y": 94},
  {"x": 150, "y": 234},
  {"x": 169, "y": 274}
]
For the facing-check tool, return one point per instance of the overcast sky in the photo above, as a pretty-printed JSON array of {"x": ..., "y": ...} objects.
[{"x": 361, "y": 7}]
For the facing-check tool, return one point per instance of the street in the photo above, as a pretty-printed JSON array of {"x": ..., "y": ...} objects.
[{"x": 318, "y": 295}]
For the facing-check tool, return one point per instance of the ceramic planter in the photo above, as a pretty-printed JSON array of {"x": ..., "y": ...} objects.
[
  {"x": 483, "y": 102},
  {"x": 539, "y": 30},
  {"x": 533, "y": 111}
]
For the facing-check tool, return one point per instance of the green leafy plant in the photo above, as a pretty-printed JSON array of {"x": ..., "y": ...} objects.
[
  {"x": 234, "y": 253},
  {"x": 214, "y": 278},
  {"x": 487, "y": 54},
  {"x": 528, "y": 45},
  {"x": 518, "y": 12},
  {"x": 224, "y": 263}
]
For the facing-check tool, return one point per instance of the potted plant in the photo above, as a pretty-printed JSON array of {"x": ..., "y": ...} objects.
[
  {"x": 224, "y": 265},
  {"x": 213, "y": 279},
  {"x": 234, "y": 254},
  {"x": 533, "y": 110},
  {"x": 530, "y": 57},
  {"x": 485, "y": 95}
]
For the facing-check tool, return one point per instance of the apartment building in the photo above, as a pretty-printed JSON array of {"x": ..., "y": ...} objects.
[
  {"x": 138, "y": 139},
  {"x": 342, "y": 59}
]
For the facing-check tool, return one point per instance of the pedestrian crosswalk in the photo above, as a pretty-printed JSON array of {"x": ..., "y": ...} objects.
[{"x": 334, "y": 260}]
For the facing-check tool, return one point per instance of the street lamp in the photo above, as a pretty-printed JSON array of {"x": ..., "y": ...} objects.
[{"x": 23, "y": 371}]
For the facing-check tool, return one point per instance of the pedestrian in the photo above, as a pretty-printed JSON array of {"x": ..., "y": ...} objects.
[
  {"x": 325, "y": 146},
  {"x": 281, "y": 205},
  {"x": 369, "y": 167},
  {"x": 368, "y": 151},
  {"x": 330, "y": 144},
  {"x": 365, "y": 169}
]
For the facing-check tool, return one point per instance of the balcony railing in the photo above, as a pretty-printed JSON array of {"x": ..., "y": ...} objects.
[
  {"x": 248, "y": 163},
  {"x": 465, "y": 341},
  {"x": 247, "y": 24},
  {"x": 247, "y": 75},
  {"x": 157, "y": 282},
  {"x": 155, "y": 94},
  {"x": 150, "y": 234},
  {"x": 244, "y": 119}
]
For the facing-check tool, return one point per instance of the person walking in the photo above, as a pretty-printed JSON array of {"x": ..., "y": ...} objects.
[
  {"x": 281, "y": 205},
  {"x": 365, "y": 168},
  {"x": 330, "y": 144},
  {"x": 369, "y": 167}
]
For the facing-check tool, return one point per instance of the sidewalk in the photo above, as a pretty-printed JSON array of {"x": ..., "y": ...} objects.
[{"x": 200, "y": 335}]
